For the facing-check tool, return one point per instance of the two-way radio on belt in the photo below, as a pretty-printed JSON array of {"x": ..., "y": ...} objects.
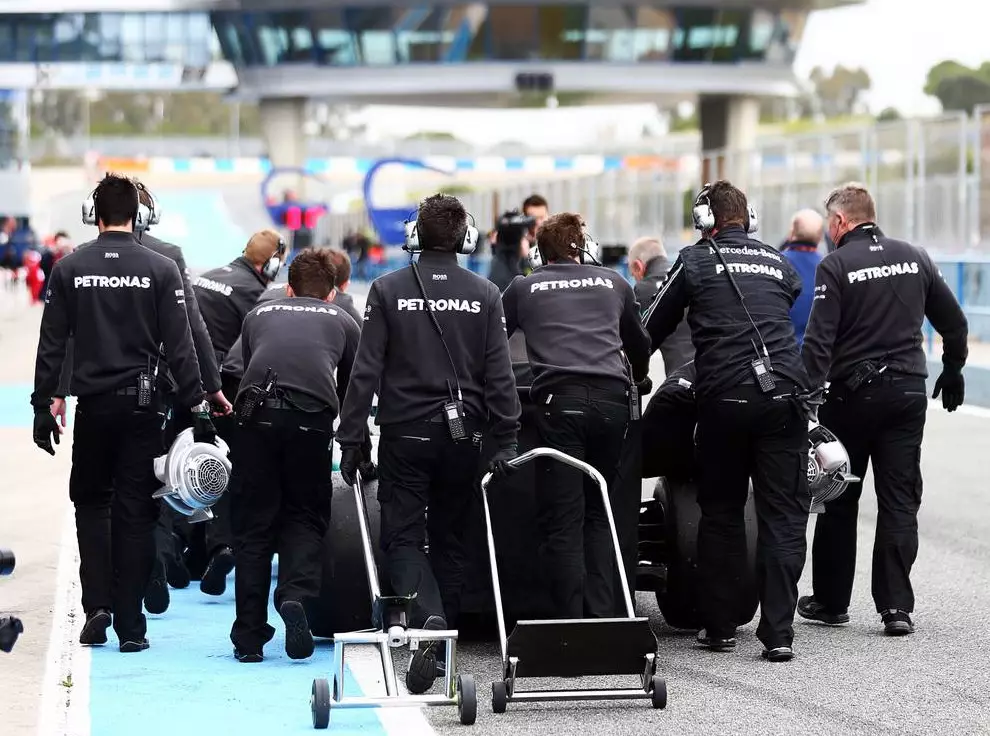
[{"x": 454, "y": 411}]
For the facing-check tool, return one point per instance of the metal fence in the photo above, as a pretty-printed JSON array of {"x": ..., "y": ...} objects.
[{"x": 930, "y": 178}]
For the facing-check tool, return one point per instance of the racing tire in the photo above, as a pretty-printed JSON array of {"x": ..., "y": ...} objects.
[
  {"x": 679, "y": 601},
  {"x": 344, "y": 603}
]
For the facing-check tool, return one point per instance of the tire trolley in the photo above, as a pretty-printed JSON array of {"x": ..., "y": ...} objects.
[
  {"x": 562, "y": 648},
  {"x": 390, "y": 616}
]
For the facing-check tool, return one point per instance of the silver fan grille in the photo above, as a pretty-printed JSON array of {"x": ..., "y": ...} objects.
[
  {"x": 208, "y": 478},
  {"x": 813, "y": 470}
]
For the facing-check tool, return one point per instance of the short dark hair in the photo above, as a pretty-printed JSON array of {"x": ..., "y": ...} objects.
[
  {"x": 728, "y": 203},
  {"x": 534, "y": 200},
  {"x": 558, "y": 237},
  {"x": 312, "y": 274},
  {"x": 116, "y": 200},
  {"x": 342, "y": 265},
  {"x": 441, "y": 223}
]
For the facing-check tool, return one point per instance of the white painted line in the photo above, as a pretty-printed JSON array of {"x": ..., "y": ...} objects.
[
  {"x": 365, "y": 665},
  {"x": 65, "y": 707}
]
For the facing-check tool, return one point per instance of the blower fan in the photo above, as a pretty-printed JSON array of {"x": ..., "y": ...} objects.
[
  {"x": 828, "y": 467},
  {"x": 195, "y": 475}
]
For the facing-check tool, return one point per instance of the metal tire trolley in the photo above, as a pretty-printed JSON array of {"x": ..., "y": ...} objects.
[
  {"x": 390, "y": 616},
  {"x": 574, "y": 647}
]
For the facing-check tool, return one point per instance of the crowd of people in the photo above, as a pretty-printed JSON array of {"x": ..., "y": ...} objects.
[
  {"x": 271, "y": 370},
  {"x": 24, "y": 260}
]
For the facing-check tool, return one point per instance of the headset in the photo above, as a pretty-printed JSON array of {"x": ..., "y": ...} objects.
[
  {"x": 467, "y": 246},
  {"x": 704, "y": 216},
  {"x": 146, "y": 216},
  {"x": 274, "y": 264},
  {"x": 588, "y": 251}
]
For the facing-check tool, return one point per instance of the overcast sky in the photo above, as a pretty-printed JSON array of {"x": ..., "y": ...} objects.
[{"x": 896, "y": 41}]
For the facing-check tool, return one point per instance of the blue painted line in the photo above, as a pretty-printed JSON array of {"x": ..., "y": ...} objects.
[
  {"x": 563, "y": 164},
  {"x": 514, "y": 164},
  {"x": 613, "y": 163},
  {"x": 224, "y": 164},
  {"x": 465, "y": 164},
  {"x": 15, "y": 405},
  {"x": 182, "y": 165},
  {"x": 190, "y": 673}
]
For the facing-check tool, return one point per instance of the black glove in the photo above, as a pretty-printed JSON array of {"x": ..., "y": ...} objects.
[
  {"x": 45, "y": 429},
  {"x": 645, "y": 387},
  {"x": 499, "y": 465},
  {"x": 203, "y": 429},
  {"x": 950, "y": 384},
  {"x": 350, "y": 459}
]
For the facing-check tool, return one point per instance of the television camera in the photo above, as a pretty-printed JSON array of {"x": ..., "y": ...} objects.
[{"x": 10, "y": 626}]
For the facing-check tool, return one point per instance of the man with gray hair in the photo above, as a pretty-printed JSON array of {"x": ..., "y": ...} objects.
[
  {"x": 872, "y": 295},
  {"x": 801, "y": 249},
  {"x": 648, "y": 265}
]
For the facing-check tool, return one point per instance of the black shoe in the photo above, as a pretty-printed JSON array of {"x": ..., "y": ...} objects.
[
  {"x": 156, "y": 598},
  {"x": 778, "y": 654},
  {"x": 716, "y": 644},
  {"x": 368, "y": 471},
  {"x": 214, "y": 580},
  {"x": 897, "y": 623},
  {"x": 176, "y": 571},
  {"x": 422, "y": 670},
  {"x": 94, "y": 631},
  {"x": 248, "y": 657},
  {"x": 299, "y": 642},
  {"x": 132, "y": 646},
  {"x": 812, "y": 610}
]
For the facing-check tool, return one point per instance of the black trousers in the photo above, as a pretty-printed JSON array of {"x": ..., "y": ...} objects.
[
  {"x": 282, "y": 505},
  {"x": 883, "y": 422},
  {"x": 111, "y": 485},
  {"x": 588, "y": 423},
  {"x": 420, "y": 467},
  {"x": 742, "y": 435}
]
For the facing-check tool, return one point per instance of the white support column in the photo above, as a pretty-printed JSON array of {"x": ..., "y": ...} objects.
[{"x": 728, "y": 132}]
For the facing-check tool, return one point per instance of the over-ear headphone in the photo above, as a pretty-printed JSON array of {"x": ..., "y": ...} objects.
[
  {"x": 274, "y": 264},
  {"x": 588, "y": 252},
  {"x": 704, "y": 216},
  {"x": 145, "y": 217},
  {"x": 466, "y": 247}
]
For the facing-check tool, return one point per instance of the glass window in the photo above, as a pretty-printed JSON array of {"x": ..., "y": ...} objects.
[
  {"x": 609, "y": 35},
  {"x": 203, "y": 45},
  {"x": 154, "y": 29},
  {"x": 513, "y": 32},
  {"x": 761, "y": 30},
  {"x": 335, "y": 44},
  {"x": 464, "y": 24},
  {"x": 708, "y": 35},
  {"x": 655, "y": 34},
  {"x": 556, "y": 25},
  {"x": 375, "y": 28}
]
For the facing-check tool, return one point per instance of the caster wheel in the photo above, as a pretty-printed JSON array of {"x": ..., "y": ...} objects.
[
  {"x": 500, "y": 696},
  {"x": 319, "y": 703},
  {"x": 467, "y": 700},
  {"x": 658, "y": 692}
]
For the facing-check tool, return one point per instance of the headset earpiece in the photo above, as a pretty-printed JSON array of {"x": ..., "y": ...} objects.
[
  {"x": 591, "y": 251},
  {"x": 701, "y": 213},
  {"x": 752, "y": 221},
  {"x": 89, "y": 210},
  {"x": 274, "y": 264},
  {"x": 466, "y": 247}
]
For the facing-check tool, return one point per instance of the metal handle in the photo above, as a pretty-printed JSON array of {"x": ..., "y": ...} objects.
[{"x": 587, "y": 470}]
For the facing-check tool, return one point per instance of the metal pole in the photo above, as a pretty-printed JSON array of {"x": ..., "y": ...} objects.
[
  {"x": 369, "y": 555},
  {"x": 496, "y": 586}
]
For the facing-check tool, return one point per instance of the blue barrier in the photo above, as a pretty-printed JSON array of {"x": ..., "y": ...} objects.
[{"x": 969, "y": 279}]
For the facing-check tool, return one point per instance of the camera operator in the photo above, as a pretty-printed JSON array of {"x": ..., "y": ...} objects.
[
  {"x": 440, "y": 362},
  {"x": 872, "y": 295},
  {"x": 124, "y": 304},
  {"x": 648, "y": 265},
  {"x": 508, "y": 252},
  {"x": 751, "y": 424},
  {"x": 578, "y": 320},
  {"x": 284, "y": 449},
  {"x": 226, "y": 295}
]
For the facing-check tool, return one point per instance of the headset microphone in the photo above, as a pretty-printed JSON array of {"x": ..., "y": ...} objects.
[{"x": 274, "y": 264}]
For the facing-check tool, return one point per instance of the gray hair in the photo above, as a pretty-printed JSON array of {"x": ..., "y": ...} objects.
[
  {"x": 808, "y": 226},
  {"x": 854, "y": 201},
  {"x": 646, "y": 249}
]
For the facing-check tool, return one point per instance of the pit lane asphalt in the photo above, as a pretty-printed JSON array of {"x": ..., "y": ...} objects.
[{"x": 843, "y": 680}]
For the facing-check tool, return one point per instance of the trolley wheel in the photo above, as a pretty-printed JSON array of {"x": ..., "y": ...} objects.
[
  {"x": 500, "y": 696},
  {"x": 467, "y": 700},
  {"x": 319, "y": 703},
  {"x": 658, "y": 692}
]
